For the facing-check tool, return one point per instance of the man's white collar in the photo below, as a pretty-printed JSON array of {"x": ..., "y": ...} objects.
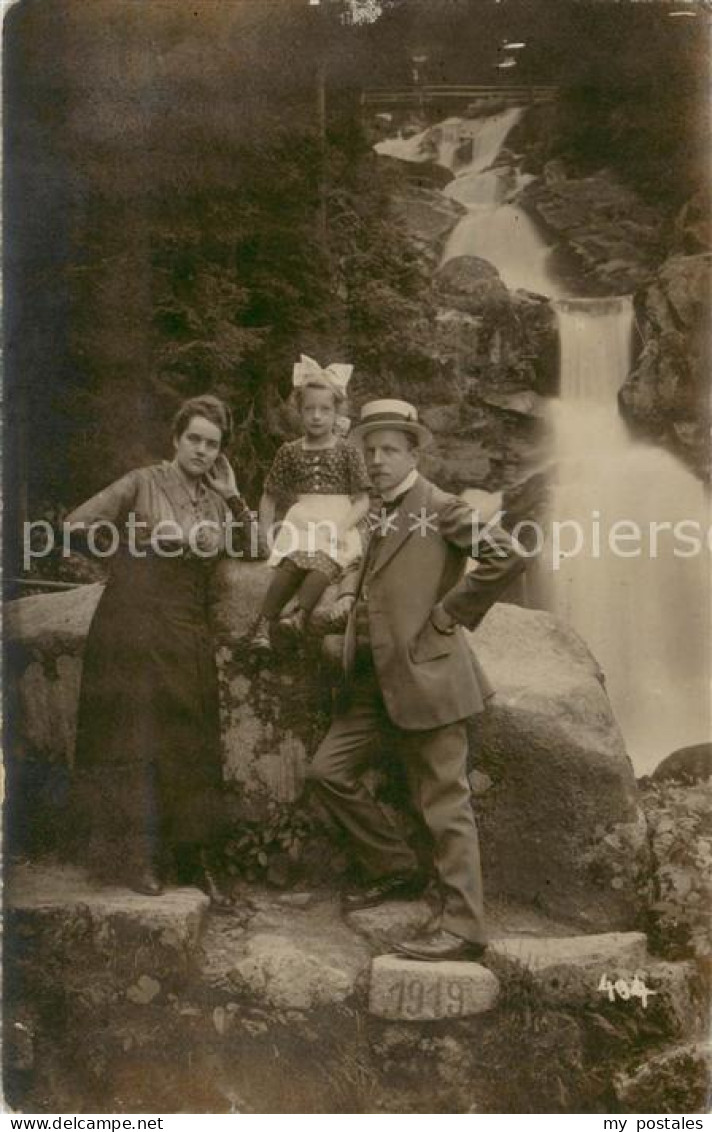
[{"x": 403, "y": 486}]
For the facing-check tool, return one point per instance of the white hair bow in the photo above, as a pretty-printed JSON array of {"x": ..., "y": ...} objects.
[{"x": 336, "y": 375}]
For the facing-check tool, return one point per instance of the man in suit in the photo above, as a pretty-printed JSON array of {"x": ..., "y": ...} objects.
[{"x": 411, "y": 678}]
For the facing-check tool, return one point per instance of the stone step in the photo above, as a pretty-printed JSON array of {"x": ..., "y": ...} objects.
[
  {"x": 613, "y": 970},
  {"x": 58, "y": 916},
  {"x": 298, "y": 953},
  {"x": 556, "y": 964},
  {"x": 412, "y": 991}
]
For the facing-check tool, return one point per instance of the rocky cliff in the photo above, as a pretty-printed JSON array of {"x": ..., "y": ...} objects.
[{"x": 667, "y": 394}]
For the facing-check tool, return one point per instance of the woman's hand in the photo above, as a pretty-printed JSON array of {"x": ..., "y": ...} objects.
[{"x": 222, "y": 478}]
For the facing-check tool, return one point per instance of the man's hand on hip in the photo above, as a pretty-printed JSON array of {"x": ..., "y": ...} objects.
[{"x": 441, "y": 620}]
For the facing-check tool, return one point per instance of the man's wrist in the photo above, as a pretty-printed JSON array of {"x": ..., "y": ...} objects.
[{"x": 441, "y": 620}]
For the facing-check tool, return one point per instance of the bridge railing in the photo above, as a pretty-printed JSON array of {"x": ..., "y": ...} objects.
[{"x": 534, "y": 92}]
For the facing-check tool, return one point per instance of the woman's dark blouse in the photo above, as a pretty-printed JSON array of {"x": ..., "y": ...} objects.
[{"x": 319, "y": 471}]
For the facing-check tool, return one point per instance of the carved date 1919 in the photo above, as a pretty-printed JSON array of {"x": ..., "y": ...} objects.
[{"x": 441, "y": 997}]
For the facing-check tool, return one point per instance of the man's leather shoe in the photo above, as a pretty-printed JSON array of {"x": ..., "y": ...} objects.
[
  {"x": 441, "y": 945},
  {"x": 400, "y": 886},
  {"x": 146, "y": 882}
]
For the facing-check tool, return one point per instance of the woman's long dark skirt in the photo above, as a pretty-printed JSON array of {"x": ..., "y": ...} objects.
[{"x": 148, "y": 759}]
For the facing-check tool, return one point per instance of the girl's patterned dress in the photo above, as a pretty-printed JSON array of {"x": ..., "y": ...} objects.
[{"x": 319, "y": 483}]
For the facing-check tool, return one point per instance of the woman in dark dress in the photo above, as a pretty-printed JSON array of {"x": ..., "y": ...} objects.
[{"x": 148, "y": 752}]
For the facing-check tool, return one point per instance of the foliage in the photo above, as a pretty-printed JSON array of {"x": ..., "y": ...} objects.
[
  {"x": 220, "y": 286},
  {"x": 256, "y": 850}
]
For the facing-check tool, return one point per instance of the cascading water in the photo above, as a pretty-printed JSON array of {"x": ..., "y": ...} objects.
[
  {"x": 644, "y": 610},
  {"x": 632, "y": 589}
]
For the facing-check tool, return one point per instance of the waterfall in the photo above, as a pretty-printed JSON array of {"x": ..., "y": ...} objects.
[
  {"x": 505, "y": 236},
  {"x": 646, "y": 616},
  {"x": 494, "y": 228},
  {"x": 484, "y": 137}
]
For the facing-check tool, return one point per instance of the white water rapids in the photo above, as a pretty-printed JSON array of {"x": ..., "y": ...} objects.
[{"x": 644, "y": 607}]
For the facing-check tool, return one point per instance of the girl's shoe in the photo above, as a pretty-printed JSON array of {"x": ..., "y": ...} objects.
[
  {"x": 260, "y": 638},
  {"x": 294, "y": 624}
]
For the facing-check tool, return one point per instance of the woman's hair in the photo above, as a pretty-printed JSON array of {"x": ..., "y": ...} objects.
[
  {"x": 300, "y": 391},
  {"x": 208, "y": 406}
]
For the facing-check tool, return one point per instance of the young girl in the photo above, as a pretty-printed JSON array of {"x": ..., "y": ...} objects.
[{"x": 324, "y": 481}]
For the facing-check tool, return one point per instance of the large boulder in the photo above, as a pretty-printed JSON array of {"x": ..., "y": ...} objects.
[
  {"x": 556, "y": 798},
  {"x": 559, "y": 816},
  {"x": 666, "y": 394},
  {"x": 473, "y": 285}
]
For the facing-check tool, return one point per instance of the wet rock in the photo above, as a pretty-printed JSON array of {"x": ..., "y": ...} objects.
[
  {"x": 666, "y": 394},
  {"x": 409, "y": 990},
  {"x": 472, "y": 285},
  {"x": 555, "y": 172},
  {"x": 610, "y": 233},
  {"x": 536, "y": 341},
  {"x": 428, "y": 216},
  {"x": 424, "y": 174},
  {"x": 674, "y": 1081},
  {"x": 523, "y": 403}
]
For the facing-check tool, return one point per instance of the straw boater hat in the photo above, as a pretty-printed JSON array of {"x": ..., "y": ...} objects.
[{"x": 400, "y": 415}]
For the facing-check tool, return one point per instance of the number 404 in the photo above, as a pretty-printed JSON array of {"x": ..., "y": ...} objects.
[{"x": 621, "y": 988}]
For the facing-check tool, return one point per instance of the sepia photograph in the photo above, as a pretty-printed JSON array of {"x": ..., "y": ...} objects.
[{"x": 357, "y": 617}]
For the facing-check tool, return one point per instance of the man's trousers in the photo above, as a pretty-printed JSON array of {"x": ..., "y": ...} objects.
[{"x": 436, "y": 765}]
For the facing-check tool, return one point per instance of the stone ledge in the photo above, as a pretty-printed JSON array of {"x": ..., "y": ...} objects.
[
  {"x": 568, "y": 970},
  {"x": 63, "y": 917},
  {"x": 410, "y": 990},
  {"x": 40, "y": 887}
]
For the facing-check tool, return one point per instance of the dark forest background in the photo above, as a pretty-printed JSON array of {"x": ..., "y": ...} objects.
[{"x": 181, "y": 215}]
